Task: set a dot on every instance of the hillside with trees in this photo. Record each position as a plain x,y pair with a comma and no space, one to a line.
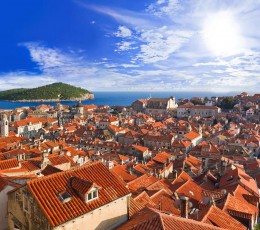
57,91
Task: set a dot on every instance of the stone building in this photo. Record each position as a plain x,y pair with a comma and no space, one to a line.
139,105
28,127
157,106
197,110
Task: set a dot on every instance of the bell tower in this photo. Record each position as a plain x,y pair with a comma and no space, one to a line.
4,126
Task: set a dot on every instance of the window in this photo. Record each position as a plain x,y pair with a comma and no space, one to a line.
17,226
93,195
16,197
64,196
25,203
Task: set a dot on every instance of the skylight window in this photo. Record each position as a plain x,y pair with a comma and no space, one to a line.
230,178
64,196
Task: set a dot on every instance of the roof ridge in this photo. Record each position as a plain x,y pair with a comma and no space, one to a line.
208,212
183,184
162,222
34,180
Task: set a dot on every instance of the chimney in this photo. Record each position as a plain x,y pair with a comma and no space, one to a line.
212,202
203,164
45,160
175,174
222,167
184,207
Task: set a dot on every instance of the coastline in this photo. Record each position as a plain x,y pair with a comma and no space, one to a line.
83,98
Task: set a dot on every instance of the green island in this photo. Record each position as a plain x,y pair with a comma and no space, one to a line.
54,92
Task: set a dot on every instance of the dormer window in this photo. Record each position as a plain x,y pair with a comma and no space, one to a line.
87,190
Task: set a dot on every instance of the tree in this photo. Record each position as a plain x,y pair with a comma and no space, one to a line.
196,102
257,227
227,103
215,121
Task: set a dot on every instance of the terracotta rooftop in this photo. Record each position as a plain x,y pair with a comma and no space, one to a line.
219,218
191,135
153,219
162,157
122,173
238,176
45,190
144,199
140,148
8,164
49,169
134,207
142,182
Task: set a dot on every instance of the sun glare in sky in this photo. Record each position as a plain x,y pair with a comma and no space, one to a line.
221,34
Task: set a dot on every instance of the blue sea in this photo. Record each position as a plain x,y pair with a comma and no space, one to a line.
118,98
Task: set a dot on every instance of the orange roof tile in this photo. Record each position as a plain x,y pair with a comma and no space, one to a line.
141,182
49,169
123,174
140,148
219,218
134,206
191,190
8,164
181,179
145,200
153,219
192,135
162,157
45,190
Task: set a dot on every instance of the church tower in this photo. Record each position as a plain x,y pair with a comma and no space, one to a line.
80,108
4,126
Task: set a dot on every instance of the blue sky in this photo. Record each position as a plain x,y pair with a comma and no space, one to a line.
127,45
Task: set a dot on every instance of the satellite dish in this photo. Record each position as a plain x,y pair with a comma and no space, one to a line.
224,191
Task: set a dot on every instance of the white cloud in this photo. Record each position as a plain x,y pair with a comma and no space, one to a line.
54,62
163,7
160,48
128,17
160,44
46,57
124,46
20,79
123,32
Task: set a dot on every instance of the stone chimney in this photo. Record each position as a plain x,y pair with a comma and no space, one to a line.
110,164
175,174
184,206
45,160
223,165
203,164
212,202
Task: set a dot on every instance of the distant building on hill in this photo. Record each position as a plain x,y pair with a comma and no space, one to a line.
139,105
187,110
156,106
